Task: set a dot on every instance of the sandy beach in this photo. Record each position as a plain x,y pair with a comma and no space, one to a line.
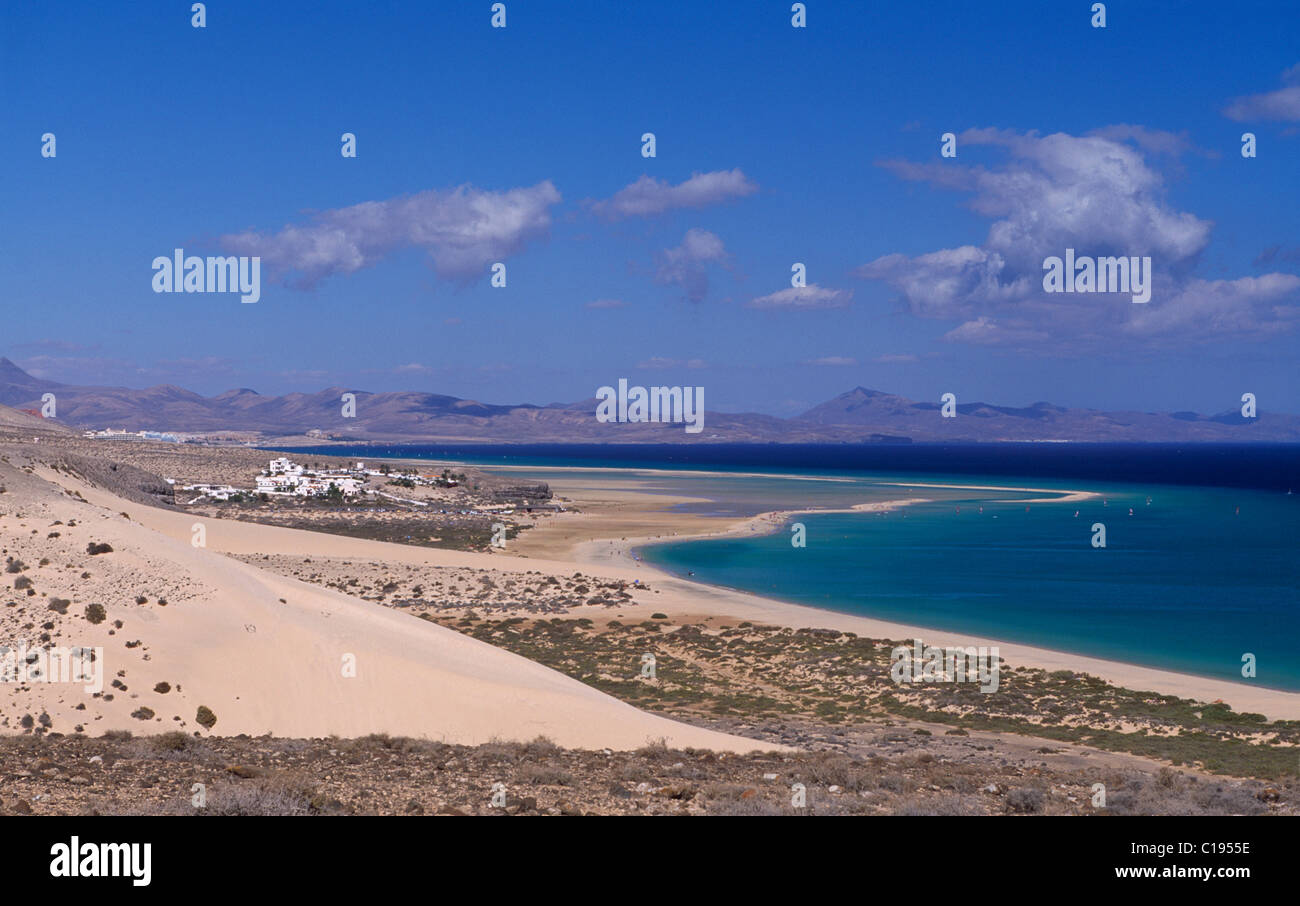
455,687
618,508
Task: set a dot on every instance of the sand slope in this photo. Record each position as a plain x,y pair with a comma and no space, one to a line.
267,654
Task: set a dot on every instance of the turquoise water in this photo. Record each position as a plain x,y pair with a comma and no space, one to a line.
1190,582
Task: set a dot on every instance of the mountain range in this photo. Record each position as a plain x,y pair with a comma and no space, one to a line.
857,416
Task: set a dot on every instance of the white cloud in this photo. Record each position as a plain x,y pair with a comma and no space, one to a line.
606,303
1282,104
832,360
1099,196
686,265
798,298
949,282
648,196
1248,305
463,230
986,331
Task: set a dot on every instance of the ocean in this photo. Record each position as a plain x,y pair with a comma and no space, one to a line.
1203,571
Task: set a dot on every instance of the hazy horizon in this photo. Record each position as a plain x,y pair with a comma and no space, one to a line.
521,400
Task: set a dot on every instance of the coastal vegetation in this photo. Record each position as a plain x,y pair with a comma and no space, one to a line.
758,673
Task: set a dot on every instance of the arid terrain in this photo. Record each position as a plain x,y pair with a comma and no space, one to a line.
296,671
881,770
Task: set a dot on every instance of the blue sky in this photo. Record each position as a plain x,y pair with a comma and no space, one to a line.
775,145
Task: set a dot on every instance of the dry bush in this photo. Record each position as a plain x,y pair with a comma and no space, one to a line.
1026,799
544,775
754,806
940,806
829,769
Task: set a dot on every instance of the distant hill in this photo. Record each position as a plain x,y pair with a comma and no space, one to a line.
858,416
1043,421
25,422
17,386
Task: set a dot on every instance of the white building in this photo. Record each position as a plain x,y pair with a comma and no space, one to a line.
285,466
299,485
276,484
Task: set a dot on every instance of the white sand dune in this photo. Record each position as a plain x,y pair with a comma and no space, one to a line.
267,654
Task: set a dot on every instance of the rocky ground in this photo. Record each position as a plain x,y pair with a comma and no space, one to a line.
884,771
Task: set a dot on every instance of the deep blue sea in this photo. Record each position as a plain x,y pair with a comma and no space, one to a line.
1204,570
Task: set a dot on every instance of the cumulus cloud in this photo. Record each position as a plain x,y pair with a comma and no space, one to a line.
1282,104
1098,195
950,282
648,196
686,265
801,298
1246,305
463,230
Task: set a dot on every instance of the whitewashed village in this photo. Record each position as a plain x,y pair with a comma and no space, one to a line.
285,478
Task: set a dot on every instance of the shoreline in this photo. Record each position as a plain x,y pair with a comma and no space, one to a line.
715,602
607,549
726,602
612,519
772,521
1066,495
